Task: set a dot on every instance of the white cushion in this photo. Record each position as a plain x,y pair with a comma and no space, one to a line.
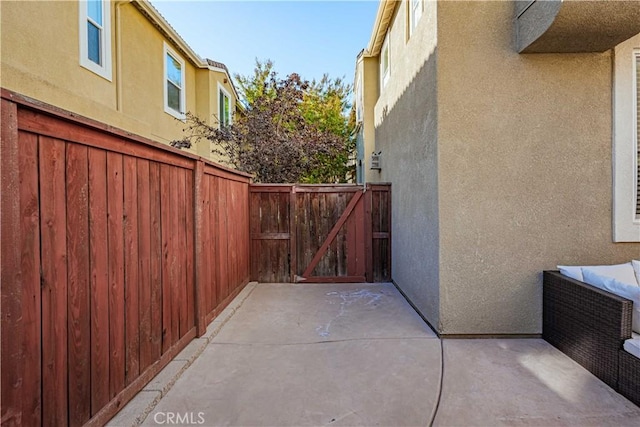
632,345
571,271
623,272
619,288
636,267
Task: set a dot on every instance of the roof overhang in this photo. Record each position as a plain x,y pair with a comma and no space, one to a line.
564,26
386,9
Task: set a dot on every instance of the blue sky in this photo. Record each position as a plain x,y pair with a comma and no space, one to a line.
307,37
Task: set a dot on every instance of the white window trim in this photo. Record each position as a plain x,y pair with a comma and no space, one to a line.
177,114
626,225
384,74
222,89
414,23
104,70
359,92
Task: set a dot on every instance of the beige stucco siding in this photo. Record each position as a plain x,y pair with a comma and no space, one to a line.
525,182
142,76
370,69
40,59
406,133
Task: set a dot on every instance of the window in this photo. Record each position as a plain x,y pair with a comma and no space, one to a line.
174,93
415,13
95,36
359,89
384,62
626,150
224,107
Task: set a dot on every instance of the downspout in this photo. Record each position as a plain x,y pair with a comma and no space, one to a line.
118,31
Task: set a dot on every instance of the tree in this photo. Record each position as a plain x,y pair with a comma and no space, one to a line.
253,87
291,131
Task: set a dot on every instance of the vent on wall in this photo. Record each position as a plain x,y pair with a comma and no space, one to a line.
375,160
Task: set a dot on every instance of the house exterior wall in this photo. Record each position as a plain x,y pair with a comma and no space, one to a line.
406,123
524,172
134,98
501,166
366,97
370,68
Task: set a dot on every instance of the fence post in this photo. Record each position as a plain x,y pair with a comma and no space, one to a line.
368,234
12,325
198,201
293,224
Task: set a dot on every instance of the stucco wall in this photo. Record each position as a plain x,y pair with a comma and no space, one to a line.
142,73
406,132
40,57
49,71
370,69
525,183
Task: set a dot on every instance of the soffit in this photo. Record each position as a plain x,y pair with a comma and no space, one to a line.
382,23
575,26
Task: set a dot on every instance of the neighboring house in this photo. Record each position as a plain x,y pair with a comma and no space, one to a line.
117,62
509,131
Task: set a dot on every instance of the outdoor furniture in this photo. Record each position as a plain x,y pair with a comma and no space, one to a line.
590,326
629,377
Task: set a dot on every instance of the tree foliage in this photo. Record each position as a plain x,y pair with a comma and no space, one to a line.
292,130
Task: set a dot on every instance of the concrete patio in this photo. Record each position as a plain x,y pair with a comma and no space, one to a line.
359,355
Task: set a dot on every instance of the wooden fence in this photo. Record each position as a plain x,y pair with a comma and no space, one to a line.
116,252
320,233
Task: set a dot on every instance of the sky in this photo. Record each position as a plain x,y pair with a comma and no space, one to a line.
310,38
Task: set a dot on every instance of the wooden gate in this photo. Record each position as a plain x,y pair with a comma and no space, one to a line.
320,233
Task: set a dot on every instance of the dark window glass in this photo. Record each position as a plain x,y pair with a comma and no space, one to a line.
173,97
93,35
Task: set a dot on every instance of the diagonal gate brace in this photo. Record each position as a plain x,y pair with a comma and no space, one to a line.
332,234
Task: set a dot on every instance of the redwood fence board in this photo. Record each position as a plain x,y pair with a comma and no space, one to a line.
12,286
54,281
156,261
30,262
144,265
115,238
131,272
107,272
78,276
99,285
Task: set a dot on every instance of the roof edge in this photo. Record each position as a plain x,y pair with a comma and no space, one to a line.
154,16
162,25
386,8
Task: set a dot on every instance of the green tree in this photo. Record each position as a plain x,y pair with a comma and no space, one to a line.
253,87
325,105
292,130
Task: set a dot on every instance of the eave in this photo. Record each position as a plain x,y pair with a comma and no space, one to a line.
573,26
386,9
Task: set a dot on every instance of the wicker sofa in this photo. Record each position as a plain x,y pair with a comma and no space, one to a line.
590,326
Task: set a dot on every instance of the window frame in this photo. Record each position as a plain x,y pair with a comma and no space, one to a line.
223,91
104,70
181,115
385,73
626,221
359,92
412,23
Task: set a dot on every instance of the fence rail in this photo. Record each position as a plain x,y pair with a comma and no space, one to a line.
116,252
